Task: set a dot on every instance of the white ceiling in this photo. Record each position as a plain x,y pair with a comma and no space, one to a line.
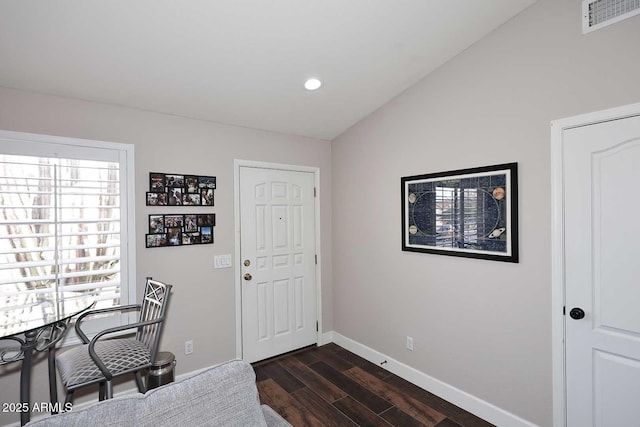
239,62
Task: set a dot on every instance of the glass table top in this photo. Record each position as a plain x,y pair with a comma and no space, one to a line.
35,311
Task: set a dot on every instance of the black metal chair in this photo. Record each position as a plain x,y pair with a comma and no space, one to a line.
100,360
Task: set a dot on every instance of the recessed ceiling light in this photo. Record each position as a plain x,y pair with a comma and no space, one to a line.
312,84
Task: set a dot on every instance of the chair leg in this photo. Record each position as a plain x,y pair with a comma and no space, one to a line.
140,383
108,389
101,391
53,386
68,400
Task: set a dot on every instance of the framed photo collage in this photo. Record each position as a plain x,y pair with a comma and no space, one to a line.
180,229
180,190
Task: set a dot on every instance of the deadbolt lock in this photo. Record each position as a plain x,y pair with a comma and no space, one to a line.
247,263
247,276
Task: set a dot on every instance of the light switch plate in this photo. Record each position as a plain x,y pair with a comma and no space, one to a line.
222,261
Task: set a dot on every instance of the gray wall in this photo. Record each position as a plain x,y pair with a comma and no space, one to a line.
481,326
203,301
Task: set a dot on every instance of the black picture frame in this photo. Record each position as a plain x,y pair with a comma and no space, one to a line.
471,213
170,189
180,229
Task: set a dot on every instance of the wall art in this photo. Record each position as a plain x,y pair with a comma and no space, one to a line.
167,189
470,213
178,229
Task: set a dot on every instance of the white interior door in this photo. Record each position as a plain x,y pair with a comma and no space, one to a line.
278,261
601,164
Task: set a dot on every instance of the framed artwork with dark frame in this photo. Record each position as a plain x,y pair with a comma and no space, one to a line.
179,229
471,213
167,189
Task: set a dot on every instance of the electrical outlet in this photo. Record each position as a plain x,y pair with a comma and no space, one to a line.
409,343
188,347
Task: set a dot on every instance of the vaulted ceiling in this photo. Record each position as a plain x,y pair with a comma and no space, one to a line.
239,62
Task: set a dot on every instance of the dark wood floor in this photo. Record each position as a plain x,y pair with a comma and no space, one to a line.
330,386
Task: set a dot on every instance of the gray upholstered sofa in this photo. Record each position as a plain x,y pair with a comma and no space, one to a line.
225,395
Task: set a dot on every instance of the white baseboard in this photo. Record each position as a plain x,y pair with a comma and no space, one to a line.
325,338
464,400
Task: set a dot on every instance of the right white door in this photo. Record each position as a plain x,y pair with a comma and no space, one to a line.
602,273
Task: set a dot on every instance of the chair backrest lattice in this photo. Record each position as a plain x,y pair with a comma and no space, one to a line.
153,308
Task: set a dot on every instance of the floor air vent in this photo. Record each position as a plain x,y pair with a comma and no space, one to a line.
597,14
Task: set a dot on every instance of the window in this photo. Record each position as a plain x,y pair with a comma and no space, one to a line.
66,220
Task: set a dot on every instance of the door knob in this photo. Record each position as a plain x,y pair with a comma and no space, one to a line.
247,276
576,313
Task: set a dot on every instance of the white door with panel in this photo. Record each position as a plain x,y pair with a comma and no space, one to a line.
601,164
278,261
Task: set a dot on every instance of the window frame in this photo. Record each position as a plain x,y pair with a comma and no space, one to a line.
31,144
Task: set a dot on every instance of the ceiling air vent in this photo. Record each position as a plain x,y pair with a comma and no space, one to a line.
597,14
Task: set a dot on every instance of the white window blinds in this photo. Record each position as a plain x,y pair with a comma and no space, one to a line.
62,222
